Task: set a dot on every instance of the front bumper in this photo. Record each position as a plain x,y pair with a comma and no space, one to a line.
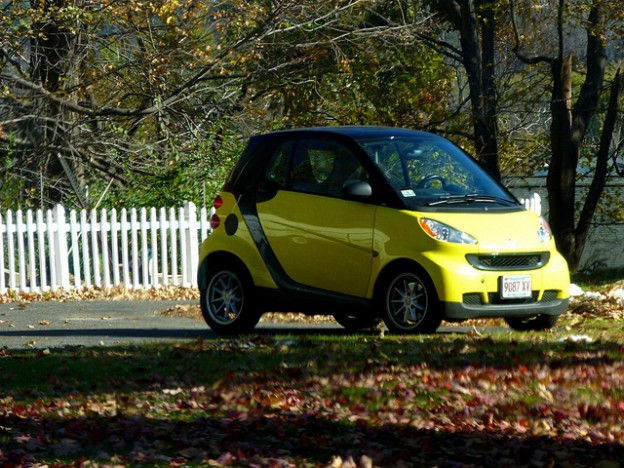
466,292
463,311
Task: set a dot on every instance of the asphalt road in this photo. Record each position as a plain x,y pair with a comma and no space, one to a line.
41,325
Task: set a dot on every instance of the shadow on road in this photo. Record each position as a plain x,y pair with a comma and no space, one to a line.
137,334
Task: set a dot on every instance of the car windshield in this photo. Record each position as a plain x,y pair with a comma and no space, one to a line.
431,171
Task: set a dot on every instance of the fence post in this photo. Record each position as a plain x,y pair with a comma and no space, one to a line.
192,246
533,203
20,229
536,203
74,230
86,251
10,229
61,266
125,257
134,242
103,235
174,227
95,250
145,279
32,259
114,229
43,258
155,255
162,219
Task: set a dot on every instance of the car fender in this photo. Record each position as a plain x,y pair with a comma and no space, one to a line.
241,246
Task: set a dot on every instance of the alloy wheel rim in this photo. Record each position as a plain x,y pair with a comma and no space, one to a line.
225,298
407,301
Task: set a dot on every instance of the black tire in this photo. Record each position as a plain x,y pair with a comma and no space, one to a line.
536,323
227,301
408,302
357,322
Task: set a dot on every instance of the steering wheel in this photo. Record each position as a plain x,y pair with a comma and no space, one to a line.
429,179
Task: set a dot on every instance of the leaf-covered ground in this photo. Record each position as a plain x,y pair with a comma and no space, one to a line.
485,398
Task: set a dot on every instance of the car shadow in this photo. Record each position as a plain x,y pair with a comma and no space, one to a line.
208,334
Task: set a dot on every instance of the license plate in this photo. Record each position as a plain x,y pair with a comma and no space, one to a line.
513,287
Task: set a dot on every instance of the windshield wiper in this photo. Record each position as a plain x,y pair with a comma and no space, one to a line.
471,198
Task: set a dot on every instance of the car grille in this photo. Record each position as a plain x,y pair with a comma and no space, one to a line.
549,296
474,299
495,298
528,261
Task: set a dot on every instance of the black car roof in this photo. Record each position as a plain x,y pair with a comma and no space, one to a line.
354,131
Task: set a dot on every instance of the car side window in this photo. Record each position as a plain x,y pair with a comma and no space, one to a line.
324,168
277,171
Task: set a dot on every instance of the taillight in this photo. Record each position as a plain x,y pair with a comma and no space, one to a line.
215,221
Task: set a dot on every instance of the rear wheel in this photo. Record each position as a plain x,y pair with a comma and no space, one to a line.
409,303
536,323
227,300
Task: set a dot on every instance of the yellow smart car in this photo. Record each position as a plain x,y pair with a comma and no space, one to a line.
371,224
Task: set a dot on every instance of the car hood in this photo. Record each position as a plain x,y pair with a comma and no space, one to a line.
501,232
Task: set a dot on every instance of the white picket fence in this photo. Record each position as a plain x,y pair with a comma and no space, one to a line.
137,248
533,203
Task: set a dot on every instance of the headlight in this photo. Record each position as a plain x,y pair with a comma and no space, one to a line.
445,233
544,234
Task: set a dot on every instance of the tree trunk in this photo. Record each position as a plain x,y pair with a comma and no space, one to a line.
478,57
568,131
601,172
488,136
474,20
561,178
50,46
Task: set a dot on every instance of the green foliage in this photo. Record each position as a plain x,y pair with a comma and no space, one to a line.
403,85
154,79
128,69
195,175
12,193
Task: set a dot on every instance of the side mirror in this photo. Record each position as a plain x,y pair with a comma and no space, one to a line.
357,190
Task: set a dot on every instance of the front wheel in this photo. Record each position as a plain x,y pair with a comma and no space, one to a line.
227,300
409,303
537,323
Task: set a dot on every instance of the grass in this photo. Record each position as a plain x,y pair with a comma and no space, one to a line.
208,362
489,396
325,387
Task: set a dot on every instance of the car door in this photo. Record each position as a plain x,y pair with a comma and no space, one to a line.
320,239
